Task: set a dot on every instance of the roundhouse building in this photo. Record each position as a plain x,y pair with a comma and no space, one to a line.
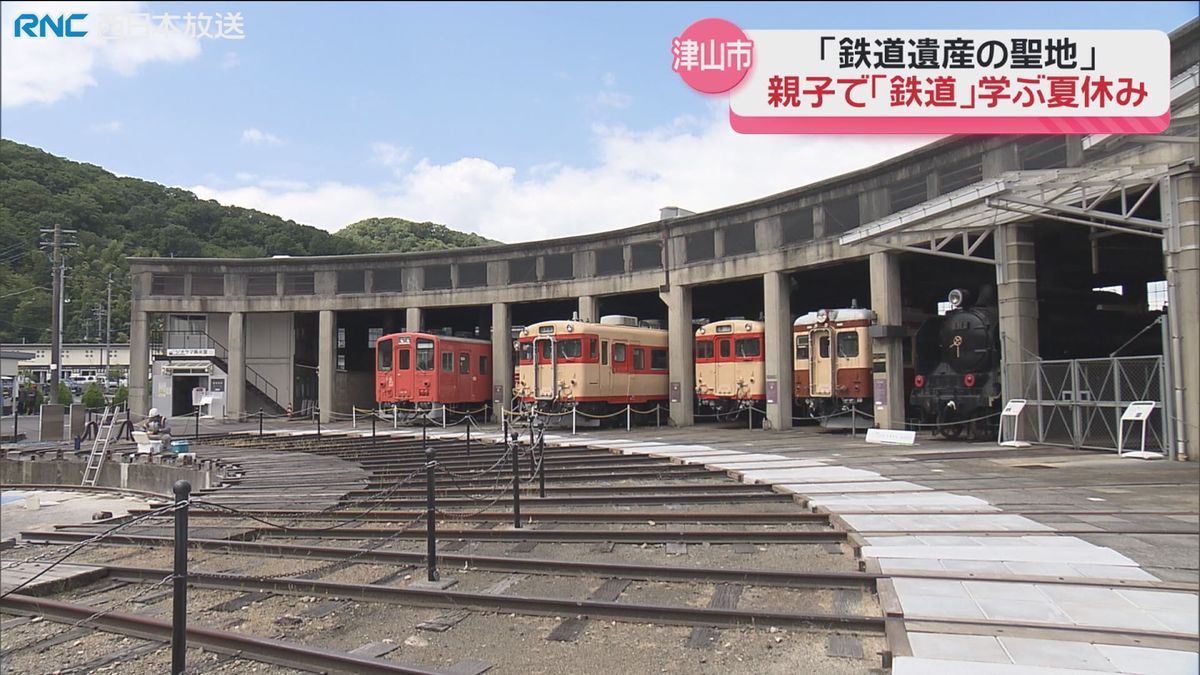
1051,222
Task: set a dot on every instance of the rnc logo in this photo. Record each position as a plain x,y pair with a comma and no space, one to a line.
60,27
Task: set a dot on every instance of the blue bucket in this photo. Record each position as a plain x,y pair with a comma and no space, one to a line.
179,447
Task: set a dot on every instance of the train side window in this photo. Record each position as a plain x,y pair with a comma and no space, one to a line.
592,349
385,355
604,352
464,363
639,359
448,362
526,352
847,345
658,359
749,347
724,349
425,354
618,352
404,359
483,365
823,346
801,347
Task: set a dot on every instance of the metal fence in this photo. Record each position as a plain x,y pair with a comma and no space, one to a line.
1079,402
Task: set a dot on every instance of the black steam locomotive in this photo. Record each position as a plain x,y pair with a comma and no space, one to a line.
957,381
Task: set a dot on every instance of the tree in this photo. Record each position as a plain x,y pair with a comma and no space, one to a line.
93,397
64,395
122,396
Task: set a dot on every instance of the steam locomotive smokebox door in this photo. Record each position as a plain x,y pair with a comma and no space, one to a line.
676,392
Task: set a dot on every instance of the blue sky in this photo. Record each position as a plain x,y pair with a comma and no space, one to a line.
565,117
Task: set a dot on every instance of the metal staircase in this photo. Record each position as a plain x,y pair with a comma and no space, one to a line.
108,422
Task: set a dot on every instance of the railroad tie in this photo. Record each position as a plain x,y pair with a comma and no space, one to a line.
570,629
469,667
374,650
676,548
745,549
725,596
527,546
449,620
845,602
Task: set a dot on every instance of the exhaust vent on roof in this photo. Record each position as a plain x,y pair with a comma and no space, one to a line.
669,212
619,320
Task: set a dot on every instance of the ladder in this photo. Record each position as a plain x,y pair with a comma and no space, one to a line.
100,445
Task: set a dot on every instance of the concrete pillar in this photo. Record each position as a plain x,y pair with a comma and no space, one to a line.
681,339
326,362
1182,247
502,365
589,308
777,312
235,383
885,301
139,362
1016,290
413,319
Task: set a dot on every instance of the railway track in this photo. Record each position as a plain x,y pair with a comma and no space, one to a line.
601,535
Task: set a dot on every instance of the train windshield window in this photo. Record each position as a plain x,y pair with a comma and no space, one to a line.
526,352
404,359
801,347
448,362
639,359
618,353
544,348
570,349
483,365
464,363
847,345
704,349
658,359
385,355
748,347
724,349
823,346
424,354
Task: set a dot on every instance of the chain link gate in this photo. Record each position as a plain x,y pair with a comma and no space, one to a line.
1078,402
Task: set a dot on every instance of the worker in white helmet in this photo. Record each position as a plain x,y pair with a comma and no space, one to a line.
157,428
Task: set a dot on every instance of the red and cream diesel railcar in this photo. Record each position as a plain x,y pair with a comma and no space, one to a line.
423,370
833,361
729,366
599,368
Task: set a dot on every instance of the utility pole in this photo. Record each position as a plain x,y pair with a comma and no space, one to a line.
108,329
58,264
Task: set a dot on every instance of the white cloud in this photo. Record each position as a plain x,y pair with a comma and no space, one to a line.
389,155
259,137
609,79
45,70
695,163
230,60
245,177
105,127
614,99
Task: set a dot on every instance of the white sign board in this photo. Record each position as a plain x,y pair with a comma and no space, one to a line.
198,395
191,352
891,437
1014,407
1138,411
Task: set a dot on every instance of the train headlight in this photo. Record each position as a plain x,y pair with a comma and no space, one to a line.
524,331
570,328
957,297
702,331
822,315
748,327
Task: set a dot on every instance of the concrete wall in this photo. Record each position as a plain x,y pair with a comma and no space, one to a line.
156,478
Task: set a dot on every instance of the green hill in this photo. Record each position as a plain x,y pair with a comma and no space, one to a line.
398,234
118,217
